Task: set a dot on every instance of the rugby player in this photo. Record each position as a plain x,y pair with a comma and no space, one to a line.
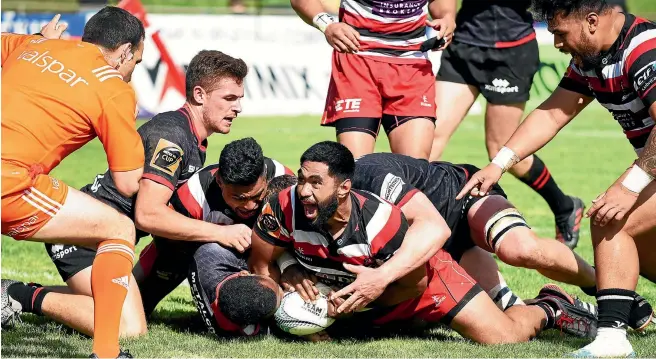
381,73
77,90
175,143
227,194
337,232
495,54
613,54
491,223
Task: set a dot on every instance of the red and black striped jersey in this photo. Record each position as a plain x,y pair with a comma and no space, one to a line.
390,30
624,83
374,232
201,198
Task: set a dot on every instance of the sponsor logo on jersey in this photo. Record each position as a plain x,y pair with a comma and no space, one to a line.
645,78
49,64
167,157
391,188
501,86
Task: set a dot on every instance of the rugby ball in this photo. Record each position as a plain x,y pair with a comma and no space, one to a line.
297,317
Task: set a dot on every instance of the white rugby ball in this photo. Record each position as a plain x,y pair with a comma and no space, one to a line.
295,316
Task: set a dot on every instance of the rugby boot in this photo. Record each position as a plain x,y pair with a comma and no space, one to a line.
567,230
568,314
11,309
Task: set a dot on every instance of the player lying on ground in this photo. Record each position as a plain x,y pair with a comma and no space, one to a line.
78,90
381,74
228,194
612,61
174,144
500,65
336,231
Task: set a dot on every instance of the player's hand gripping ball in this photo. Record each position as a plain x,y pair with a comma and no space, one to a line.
297,317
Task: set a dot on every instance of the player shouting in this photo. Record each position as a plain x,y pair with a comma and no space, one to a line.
336,232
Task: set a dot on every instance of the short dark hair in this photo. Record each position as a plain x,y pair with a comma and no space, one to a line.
279,183
546,10
112,27
241,162
208,67
336,156
245,300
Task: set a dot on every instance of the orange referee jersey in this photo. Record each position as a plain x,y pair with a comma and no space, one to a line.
57,95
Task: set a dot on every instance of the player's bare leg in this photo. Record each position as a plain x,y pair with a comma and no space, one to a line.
359,143
412,138
453,101
618,263
481,321
519,246
501,121
84,221
484,269
72,305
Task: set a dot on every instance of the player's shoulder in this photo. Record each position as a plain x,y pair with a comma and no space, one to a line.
275,168
201,181
370,202
173,124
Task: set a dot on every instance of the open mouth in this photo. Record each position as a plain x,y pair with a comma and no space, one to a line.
310,209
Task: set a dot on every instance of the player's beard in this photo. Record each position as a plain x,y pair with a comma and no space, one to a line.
325,210
589,56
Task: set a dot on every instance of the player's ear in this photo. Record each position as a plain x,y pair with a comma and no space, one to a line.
344,188
218,179
125,53
199,95
592,21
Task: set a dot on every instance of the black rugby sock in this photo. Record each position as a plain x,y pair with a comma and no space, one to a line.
540,180
615,307
30,297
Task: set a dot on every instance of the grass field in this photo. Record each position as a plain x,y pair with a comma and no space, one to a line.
585,159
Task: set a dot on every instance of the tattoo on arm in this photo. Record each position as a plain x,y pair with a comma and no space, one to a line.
647,160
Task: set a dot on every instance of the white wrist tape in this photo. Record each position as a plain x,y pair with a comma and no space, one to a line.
322,20
637,179
505,158
285,260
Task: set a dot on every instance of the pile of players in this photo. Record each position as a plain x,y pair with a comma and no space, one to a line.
407,238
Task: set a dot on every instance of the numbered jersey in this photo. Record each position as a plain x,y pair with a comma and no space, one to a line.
624,83
173,153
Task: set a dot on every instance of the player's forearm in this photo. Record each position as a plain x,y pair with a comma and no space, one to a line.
422,240
307,9
161,220
441,8
534,133
647,159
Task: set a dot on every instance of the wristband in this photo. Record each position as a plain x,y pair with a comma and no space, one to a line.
322,20
285,260
505,159
637,179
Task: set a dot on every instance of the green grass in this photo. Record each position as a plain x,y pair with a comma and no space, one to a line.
585,159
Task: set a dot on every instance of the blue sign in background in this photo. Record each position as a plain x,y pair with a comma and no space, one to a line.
30,23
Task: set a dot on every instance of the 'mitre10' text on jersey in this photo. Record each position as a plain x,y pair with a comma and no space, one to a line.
375,231
624,83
